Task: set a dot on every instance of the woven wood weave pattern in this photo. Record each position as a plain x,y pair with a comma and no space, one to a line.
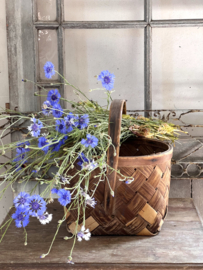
141,206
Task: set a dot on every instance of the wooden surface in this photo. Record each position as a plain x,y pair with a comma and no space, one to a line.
179,244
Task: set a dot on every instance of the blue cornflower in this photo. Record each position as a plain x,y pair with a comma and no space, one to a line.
45,218
64,140
91,141
57,111
20,155
21,147
36,205
21,217
49,70
56,146
35,128
82,158
53,96
54,191
85,163
82,121
46,108
64,197
42,141
21,201
60,126
107,79
69,121
19,167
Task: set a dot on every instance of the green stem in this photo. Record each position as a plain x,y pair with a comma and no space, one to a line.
25,232
6,229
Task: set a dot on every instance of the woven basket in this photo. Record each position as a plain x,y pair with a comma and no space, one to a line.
138,208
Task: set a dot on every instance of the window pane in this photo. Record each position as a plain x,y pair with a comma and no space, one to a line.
177,70
48,51
177,9
46,10
90,51
105,10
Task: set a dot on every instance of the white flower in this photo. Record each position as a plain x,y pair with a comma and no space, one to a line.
45,218
63,179
71,262
90,201
83,234
89,165
83,192
129,181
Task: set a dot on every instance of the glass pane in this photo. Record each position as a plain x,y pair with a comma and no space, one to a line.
48,51
105,10
177,68
46,10
121,51
177,9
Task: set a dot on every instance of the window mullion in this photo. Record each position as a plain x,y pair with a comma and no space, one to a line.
147,57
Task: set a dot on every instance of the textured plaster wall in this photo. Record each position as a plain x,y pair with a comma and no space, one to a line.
6,201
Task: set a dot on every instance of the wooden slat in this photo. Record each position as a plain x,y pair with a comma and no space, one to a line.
179,244
99,266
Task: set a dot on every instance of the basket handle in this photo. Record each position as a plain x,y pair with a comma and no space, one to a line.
118,107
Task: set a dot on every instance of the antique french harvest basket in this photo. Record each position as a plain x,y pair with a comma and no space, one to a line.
138,208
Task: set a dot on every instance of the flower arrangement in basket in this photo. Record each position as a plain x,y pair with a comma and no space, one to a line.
77,144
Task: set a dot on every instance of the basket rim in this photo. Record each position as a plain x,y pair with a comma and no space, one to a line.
168,144
147,159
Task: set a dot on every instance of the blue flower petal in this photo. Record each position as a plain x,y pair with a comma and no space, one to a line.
49,70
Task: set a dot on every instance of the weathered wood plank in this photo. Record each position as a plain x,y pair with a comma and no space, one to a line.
20,54
180,242
102,266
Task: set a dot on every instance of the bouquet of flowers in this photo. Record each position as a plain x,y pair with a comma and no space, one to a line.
65,139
